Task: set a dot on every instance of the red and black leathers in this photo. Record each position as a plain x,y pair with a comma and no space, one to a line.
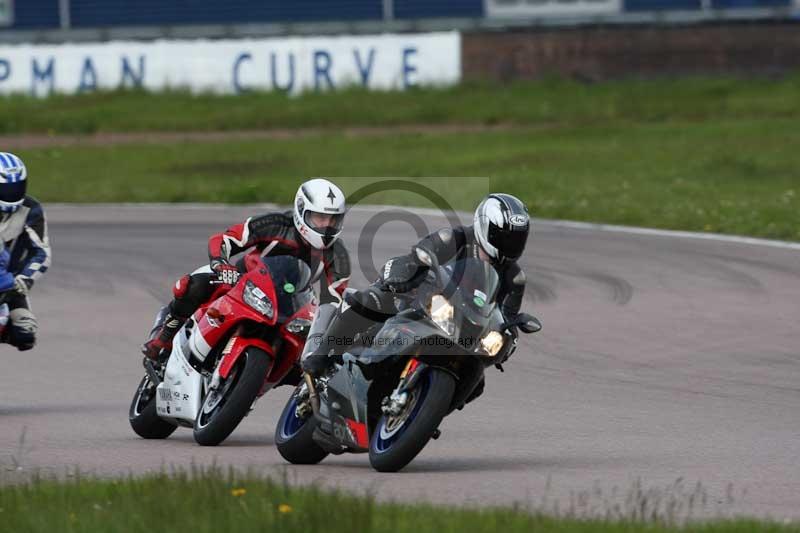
270,234
275,234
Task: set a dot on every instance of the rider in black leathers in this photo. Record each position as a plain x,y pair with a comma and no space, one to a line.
498,235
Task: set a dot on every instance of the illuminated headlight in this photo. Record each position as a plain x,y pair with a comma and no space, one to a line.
492,343
298,324
442,313
255,298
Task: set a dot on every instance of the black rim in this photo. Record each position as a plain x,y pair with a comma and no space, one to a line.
144,395
207,414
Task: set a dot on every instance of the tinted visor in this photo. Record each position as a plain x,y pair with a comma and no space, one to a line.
324,223
510,243
13,192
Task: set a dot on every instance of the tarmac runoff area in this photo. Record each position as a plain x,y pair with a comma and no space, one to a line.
666,360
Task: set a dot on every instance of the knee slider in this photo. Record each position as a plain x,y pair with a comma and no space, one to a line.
22,336
181,286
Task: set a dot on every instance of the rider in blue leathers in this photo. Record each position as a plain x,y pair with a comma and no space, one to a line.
23,231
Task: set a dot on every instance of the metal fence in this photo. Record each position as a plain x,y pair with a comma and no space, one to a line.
54,20
50,14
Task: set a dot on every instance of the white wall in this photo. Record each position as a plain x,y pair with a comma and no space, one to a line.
228,66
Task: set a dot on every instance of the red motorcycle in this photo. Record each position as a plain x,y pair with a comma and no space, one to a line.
235,348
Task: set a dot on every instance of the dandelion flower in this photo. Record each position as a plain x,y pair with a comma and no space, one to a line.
284,508
238,492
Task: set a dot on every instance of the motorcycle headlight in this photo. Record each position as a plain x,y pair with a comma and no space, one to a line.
255,298
441,312
298,325
492,342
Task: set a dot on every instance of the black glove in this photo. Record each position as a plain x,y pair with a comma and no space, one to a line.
402,274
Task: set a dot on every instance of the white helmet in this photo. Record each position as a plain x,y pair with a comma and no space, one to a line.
319,197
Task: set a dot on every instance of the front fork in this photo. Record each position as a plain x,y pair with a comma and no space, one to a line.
151,371
213,383
394,404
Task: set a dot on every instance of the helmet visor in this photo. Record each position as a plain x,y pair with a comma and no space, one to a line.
509,243
324,223
13,192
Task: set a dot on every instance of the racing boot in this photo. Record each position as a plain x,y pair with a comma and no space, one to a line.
163,339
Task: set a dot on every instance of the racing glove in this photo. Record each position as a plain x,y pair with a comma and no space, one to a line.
402,274
22,285
226,273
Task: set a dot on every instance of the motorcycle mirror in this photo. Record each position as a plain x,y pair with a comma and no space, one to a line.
526,323
531,326
423,256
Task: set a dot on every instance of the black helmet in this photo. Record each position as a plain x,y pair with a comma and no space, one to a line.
502,225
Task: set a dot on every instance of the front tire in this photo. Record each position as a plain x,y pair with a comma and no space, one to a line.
397,440
142,413
293,436
216,422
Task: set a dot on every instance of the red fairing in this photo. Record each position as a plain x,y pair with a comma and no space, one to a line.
252,260
181,286
360,432
236,350
229,309
292,347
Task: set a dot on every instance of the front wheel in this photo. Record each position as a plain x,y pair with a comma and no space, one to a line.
225,408
396,440
142,413
293,435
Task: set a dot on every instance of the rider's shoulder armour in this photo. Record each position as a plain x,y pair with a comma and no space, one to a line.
272,225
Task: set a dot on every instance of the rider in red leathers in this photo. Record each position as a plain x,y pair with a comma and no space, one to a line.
310,232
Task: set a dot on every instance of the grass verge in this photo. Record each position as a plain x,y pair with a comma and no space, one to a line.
211,501
553,102
736,176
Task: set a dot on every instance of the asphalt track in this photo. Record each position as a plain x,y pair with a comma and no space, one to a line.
662,359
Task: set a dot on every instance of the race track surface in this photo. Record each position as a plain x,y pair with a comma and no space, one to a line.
662,359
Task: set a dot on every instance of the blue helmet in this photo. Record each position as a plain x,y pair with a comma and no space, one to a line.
13,182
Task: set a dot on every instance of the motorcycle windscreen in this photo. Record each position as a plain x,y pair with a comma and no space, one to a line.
471,286
292,280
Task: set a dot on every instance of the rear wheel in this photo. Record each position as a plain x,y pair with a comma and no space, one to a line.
396,440
224,409
142,413
293,435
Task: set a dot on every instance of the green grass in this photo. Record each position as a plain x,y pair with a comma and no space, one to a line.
718,155
737,176
208,501
550,102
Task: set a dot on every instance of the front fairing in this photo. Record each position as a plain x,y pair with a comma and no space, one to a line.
284,280
414,333
470,286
